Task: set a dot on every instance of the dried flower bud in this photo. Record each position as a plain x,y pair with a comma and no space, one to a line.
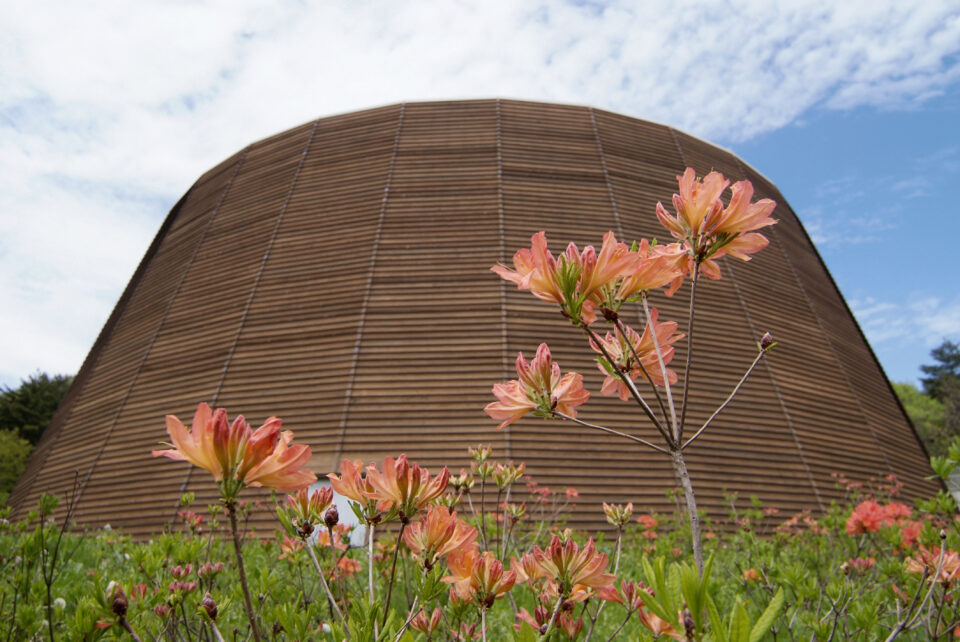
306,528
209,606
332,517
119,605
689,624
766,341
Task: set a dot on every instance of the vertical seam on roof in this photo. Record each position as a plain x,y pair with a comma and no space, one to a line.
352,375
256,283
826,336
504,356
156,333
776,390
637,308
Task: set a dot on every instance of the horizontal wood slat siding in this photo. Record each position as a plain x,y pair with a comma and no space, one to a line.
337,275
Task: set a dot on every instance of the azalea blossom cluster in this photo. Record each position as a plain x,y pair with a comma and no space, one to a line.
238,456
869,516
588,283
399,490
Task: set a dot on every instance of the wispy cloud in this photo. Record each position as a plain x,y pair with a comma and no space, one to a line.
110,110
922,321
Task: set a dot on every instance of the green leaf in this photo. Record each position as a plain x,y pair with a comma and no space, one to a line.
718,628
763,624
525,634
739,630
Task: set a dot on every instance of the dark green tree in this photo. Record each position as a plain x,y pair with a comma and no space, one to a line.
943,377
24,414
928,416
14,452
27,410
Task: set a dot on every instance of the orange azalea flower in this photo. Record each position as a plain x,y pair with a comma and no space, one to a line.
867,517
751,575
289,547
598,271
479,576
656,267
924,558
618,347
576,280
743,216
536,270
405,487
571,627
424,624
439,533
351,483
308,507
574,572
238,456
858,565
698,204
346,567
659,626
540,389
323,540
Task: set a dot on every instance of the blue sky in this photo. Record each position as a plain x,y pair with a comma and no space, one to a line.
109,111
876,190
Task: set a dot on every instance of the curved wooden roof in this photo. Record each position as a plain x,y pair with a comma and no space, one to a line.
337,275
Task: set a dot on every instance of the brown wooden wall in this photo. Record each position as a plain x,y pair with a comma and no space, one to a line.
337,275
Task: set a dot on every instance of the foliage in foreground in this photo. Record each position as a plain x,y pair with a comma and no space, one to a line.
852,573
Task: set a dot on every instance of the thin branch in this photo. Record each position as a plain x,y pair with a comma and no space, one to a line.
686,368
646,375
611,431
393,574
414,610
663,370
726,401
914,612
629,383
326,588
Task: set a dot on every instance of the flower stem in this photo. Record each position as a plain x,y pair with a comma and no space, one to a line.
610,430
370,529
129,629
683,479
323,582
232,511
646,375
553,618
393,574
625,377
663,371
726,401
616,567
686,368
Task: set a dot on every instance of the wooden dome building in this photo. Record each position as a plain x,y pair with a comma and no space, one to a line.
337,275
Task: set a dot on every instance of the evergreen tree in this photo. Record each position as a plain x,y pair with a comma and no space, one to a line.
944,376
28,409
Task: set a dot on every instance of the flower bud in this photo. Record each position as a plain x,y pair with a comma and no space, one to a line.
332,517
209,606
119,605
766,341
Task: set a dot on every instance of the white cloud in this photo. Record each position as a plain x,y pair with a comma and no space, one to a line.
923,321
110,110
